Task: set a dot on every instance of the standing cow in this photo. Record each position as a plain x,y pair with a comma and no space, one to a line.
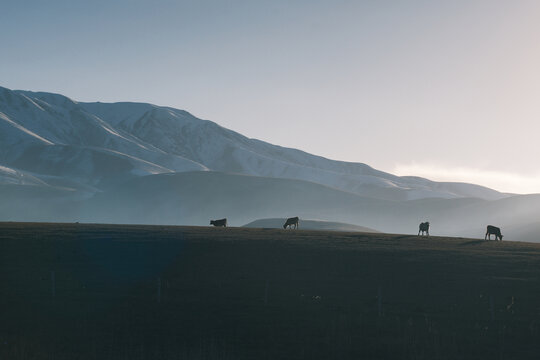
221,222
493,230
423,228
291,222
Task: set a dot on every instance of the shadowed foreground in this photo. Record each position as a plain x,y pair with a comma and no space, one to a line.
76,291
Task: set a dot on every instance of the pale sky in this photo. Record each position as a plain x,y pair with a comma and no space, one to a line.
448,90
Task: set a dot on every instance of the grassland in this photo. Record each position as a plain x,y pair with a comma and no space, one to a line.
79,291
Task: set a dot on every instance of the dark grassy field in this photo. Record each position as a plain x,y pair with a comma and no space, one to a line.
77,291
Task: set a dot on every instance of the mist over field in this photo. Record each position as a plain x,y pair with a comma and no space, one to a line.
136,163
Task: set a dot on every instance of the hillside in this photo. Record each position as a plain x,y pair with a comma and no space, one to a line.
193,198
161,292
309,225
196,197
100,144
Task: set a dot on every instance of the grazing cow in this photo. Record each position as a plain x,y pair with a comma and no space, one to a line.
290,222
493,230
423,228
221,222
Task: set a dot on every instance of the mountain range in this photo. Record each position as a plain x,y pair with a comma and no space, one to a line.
63,160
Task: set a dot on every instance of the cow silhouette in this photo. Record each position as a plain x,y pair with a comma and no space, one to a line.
291,222
220,222
423,228
493,230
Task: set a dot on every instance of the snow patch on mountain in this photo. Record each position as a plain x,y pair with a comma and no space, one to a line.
12,176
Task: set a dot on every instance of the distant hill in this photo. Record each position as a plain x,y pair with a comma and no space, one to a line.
193,198
310,225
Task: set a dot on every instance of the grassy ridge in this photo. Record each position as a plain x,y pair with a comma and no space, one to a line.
77,291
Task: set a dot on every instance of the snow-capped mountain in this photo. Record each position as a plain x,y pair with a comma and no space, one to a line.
62,160
56,141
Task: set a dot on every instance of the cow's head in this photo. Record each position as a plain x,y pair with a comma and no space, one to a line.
500,237
212,222
285,225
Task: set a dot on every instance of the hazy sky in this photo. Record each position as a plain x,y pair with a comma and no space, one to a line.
448,90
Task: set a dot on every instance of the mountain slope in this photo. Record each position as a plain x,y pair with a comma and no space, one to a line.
309,225
47,131
221,149
170,140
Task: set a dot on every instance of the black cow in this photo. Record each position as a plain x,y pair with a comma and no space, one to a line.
221,222
424,228
493,230
290,222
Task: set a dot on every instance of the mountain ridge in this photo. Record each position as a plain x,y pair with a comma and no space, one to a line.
175,141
